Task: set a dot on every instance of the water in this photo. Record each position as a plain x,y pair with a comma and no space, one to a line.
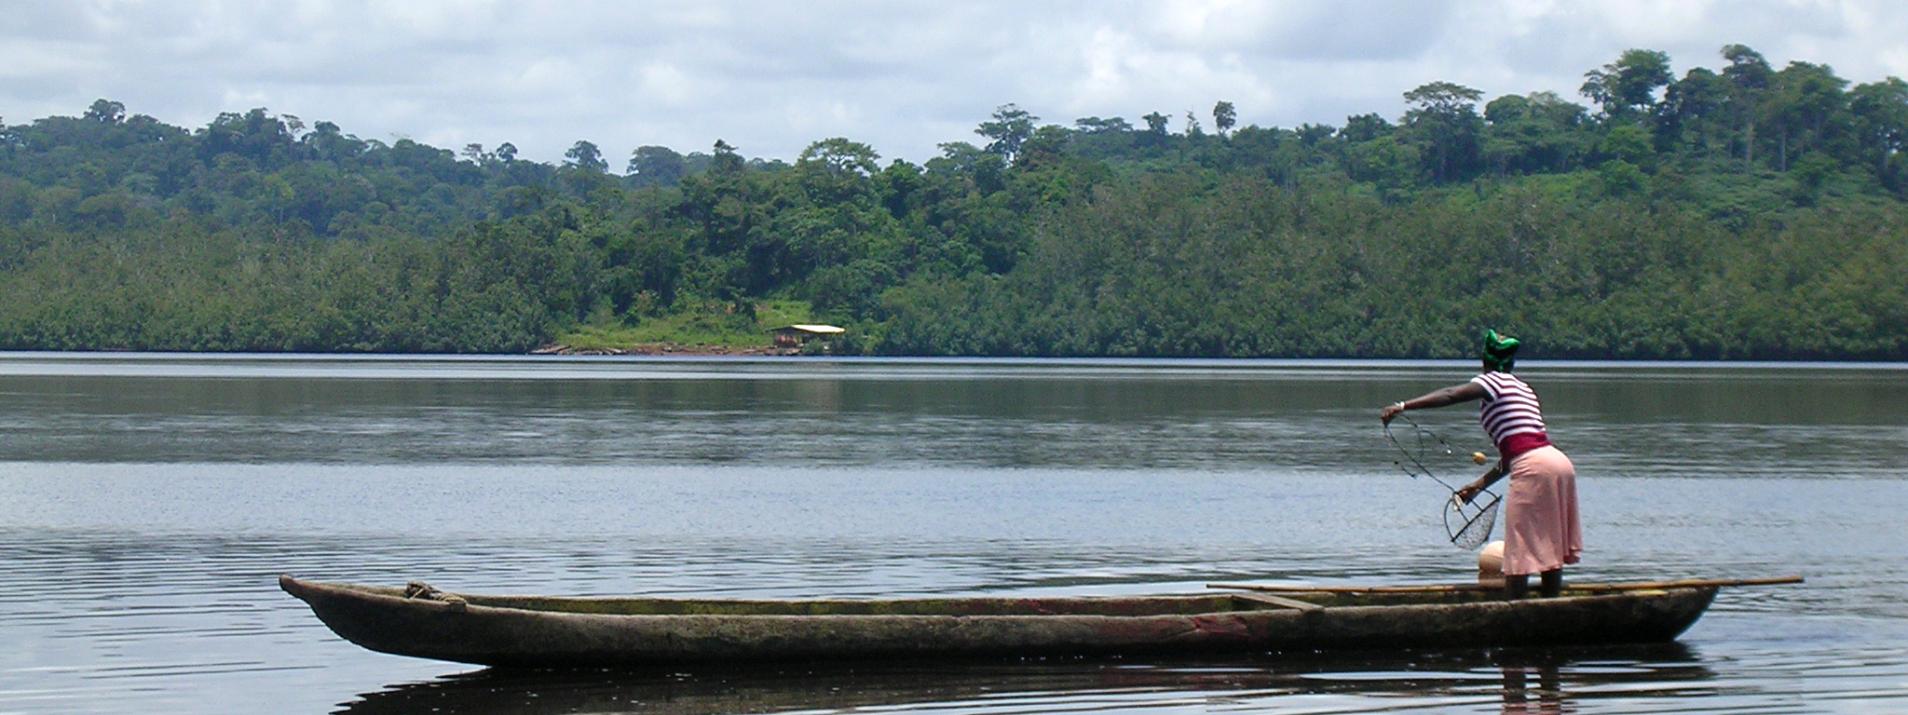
147,504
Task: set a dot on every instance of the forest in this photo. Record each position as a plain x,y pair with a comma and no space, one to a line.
1740,211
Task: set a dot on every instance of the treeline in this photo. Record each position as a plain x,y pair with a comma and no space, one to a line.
1745,212
1171,266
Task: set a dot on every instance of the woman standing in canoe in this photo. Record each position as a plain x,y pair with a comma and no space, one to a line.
1541,532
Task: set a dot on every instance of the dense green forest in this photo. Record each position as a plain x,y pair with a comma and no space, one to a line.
1738,212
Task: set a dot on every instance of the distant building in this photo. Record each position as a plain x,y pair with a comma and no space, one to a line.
795,336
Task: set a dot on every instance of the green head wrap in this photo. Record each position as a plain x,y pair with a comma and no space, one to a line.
1500,351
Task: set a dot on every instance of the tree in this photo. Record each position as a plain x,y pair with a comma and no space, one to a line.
1533,134
1155,134
1096,125
1628,86
326,142
1749,79
506,152
1223,117
584,155
1805,108
1156,122
1046,148
1364,128
655,166
105,112
1880,111
835,171
726,160
984,172
1692,111
840,156
255,135
1010,127
1314,135
1443,122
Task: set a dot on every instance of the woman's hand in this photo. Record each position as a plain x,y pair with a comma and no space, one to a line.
1469,491
1390,411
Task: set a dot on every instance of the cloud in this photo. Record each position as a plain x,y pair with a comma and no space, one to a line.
902,76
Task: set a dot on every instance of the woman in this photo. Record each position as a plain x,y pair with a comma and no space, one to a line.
1541,532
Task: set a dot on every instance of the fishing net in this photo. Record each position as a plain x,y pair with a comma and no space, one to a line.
1467,524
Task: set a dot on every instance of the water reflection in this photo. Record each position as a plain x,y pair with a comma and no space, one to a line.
1548,682
1095,415
1523,681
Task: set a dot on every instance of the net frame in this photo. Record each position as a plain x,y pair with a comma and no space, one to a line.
1470,524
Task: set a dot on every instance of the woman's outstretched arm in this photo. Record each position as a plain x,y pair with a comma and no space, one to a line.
1441,397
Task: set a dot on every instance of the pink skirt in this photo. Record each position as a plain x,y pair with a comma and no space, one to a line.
1541,532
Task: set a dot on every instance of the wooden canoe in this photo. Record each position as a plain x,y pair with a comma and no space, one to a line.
539,631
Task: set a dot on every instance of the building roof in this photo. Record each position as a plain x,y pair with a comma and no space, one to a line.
812,328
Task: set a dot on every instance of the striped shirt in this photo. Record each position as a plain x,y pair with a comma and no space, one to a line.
1510,409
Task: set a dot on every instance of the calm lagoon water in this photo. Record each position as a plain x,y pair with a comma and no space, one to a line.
147,503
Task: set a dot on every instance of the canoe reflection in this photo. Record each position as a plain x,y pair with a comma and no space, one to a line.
1525,681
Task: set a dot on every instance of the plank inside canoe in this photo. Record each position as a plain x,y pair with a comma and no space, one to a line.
1279,601
1464,587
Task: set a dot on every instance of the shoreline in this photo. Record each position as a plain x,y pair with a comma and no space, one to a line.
667,349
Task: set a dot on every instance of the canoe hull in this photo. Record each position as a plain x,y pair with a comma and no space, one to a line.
501,635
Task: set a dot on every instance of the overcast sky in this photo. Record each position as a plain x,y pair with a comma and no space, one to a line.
772,77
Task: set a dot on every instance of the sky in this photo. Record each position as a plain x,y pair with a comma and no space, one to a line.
771,77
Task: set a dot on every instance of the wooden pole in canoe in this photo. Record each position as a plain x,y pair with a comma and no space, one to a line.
1467,587
1685,583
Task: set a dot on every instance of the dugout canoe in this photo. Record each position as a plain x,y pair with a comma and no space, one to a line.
542,631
